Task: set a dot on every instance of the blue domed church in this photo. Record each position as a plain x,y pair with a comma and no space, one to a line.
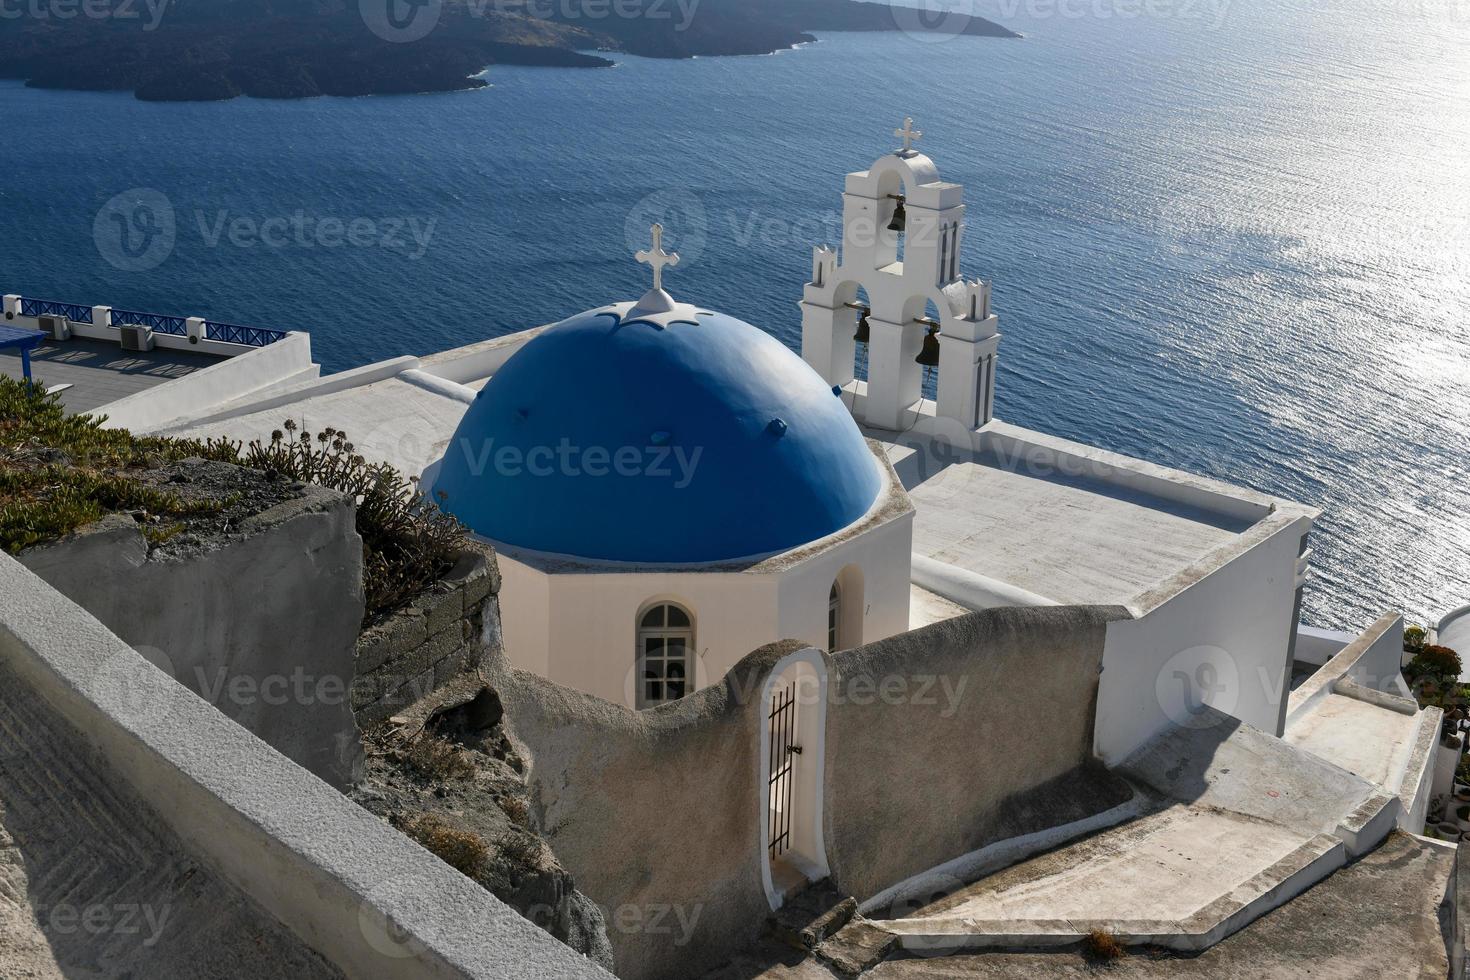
670,488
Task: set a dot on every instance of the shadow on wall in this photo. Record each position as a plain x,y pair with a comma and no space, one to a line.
953,737
938,742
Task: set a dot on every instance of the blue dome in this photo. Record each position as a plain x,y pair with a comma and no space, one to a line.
624,441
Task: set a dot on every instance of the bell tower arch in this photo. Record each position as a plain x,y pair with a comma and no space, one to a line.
902,229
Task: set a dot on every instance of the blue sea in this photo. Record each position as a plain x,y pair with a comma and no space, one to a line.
1232,237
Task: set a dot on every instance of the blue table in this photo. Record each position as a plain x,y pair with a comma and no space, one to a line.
25,340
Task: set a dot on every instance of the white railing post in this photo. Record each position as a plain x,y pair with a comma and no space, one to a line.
12,306
101,317
194,327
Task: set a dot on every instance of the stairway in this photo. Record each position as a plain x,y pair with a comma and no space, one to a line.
821,921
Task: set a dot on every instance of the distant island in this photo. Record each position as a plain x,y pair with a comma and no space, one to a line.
204,50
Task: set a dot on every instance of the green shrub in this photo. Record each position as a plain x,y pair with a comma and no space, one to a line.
408,542
1414,638
60,472
1436,662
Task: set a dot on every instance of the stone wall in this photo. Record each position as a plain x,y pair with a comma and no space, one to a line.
260,623
938,743
960,735
655,813
421,647
368,900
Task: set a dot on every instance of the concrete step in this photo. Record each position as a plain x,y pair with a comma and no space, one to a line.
1130,910
811,915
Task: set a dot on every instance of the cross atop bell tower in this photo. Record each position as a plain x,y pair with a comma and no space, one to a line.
895,281
908,134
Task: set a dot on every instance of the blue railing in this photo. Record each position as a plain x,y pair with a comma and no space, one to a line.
160,323
233,333
44,307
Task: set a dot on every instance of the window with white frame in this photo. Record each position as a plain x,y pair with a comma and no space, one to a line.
665,647
834,617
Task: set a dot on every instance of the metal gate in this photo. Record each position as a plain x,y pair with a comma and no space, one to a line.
782,766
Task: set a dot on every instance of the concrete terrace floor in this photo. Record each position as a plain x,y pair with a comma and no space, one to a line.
101,372
1164,866
92,885
1362,738
1072,541
389,421
1379,918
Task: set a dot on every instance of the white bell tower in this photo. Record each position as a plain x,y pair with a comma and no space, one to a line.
901,271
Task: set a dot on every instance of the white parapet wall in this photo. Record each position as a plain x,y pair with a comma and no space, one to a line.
1217,635
198,393
369,900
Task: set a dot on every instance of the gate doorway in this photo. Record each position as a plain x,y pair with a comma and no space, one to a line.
793,729
784,755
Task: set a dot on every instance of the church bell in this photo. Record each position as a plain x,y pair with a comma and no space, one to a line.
929,353
900,216
862,328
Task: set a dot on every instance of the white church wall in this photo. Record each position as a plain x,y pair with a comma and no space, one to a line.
1217,634
875,588
524,614
581,629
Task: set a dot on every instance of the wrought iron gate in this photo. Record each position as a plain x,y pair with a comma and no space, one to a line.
782,766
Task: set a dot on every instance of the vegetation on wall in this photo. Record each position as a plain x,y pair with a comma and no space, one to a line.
60,472
408,542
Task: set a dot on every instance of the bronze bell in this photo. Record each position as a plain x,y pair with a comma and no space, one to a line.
900,217
862,329
929,353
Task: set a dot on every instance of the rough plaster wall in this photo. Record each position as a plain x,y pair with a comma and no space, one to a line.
955,736
264,628
655,813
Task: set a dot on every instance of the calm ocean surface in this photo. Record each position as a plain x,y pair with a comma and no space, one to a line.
1233,239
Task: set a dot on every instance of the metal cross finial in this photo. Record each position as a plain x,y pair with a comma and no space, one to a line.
657,257
908,134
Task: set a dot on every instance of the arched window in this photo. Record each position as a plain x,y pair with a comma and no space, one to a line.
834,618
665,642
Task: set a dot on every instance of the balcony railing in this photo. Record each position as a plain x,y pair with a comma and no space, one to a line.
45,307
175,325
233,333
